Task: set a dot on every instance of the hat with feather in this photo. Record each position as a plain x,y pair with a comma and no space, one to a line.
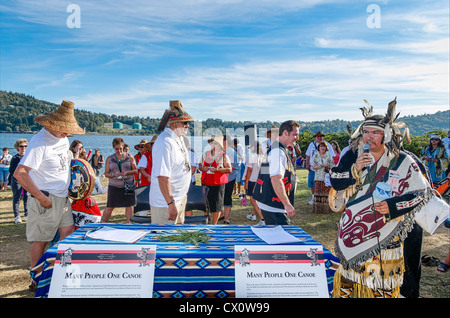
393,137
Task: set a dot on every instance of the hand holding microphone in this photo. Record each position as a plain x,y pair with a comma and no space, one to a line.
365,160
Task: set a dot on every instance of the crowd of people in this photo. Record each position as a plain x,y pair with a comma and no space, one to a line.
39,174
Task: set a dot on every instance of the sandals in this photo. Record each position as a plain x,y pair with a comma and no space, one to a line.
428,260
442,267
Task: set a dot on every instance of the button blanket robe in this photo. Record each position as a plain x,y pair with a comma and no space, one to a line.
363,234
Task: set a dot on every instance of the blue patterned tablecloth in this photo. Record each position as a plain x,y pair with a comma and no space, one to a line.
185,270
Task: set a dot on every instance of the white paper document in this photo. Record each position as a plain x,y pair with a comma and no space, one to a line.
118,235
274,235
103,271
280,271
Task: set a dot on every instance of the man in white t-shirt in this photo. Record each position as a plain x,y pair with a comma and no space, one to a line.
171,170
276,199
44,171
312,148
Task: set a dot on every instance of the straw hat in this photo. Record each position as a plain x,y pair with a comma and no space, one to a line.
142,143
319,134
218,139
62,120
269,132
149,144
175,114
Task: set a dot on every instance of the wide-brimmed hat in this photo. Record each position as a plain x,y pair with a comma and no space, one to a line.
218,139
142,143
151,142
62,120
269,132
319,134
175,114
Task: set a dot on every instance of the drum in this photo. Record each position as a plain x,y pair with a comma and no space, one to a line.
82,179
336,200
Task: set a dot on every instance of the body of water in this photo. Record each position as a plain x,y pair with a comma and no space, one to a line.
104,142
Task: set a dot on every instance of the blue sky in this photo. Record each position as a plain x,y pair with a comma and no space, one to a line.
236,60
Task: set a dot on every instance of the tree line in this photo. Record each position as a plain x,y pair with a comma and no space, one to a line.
17,112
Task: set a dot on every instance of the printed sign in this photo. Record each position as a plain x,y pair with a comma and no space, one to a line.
101,271
280,271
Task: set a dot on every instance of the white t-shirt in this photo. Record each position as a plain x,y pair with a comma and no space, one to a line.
233,156
312,148
240,153
277,166
194,163
6,159
265,145
142,162
49,160
170,159
254,162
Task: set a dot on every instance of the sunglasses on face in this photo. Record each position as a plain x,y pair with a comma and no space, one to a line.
434,139
23,146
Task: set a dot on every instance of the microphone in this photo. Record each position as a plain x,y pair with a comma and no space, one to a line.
366,148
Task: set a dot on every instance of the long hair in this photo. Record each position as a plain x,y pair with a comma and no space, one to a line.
73,145
257,147
439,145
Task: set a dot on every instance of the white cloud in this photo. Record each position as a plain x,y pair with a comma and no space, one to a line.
66,79
258,75
323,87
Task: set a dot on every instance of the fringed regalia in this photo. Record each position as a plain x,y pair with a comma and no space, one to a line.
369,244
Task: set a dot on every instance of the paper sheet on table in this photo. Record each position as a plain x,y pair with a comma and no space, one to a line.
274,235
118,235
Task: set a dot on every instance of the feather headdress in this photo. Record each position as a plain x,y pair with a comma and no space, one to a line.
393,137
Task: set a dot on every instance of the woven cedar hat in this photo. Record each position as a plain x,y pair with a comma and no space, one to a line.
319,134
151,142
62,120
175,114
143,142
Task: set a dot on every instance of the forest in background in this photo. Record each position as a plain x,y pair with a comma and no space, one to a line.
17,112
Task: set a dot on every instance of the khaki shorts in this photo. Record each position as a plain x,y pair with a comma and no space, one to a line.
161,215
42,223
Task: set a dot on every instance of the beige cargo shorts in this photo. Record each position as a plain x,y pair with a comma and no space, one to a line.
42,223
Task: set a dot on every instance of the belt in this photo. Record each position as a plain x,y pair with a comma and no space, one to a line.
46,193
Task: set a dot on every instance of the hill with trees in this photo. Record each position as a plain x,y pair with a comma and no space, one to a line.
17,112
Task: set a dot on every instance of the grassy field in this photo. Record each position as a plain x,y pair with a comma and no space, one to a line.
14,248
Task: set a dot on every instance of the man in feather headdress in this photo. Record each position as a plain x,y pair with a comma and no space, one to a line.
383,187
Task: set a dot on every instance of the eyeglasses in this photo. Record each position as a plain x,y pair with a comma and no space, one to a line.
434,139
23,146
